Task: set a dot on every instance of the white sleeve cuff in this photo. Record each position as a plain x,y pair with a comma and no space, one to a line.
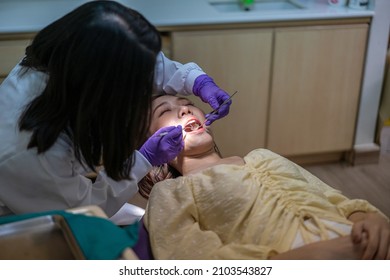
189,83
141,167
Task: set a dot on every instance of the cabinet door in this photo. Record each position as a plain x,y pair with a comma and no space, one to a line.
315,88
236,60
12,51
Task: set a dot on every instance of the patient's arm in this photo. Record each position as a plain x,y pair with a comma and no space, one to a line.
341,248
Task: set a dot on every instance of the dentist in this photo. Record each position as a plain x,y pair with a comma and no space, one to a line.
81,98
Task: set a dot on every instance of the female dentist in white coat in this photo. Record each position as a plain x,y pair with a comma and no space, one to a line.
81,98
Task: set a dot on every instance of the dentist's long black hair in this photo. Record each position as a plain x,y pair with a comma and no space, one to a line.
100,61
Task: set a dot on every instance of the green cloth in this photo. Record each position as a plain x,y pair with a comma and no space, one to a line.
98,238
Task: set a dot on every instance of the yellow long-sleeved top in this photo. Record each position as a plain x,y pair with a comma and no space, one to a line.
250,211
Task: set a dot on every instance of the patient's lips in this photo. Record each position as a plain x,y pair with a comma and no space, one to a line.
192,125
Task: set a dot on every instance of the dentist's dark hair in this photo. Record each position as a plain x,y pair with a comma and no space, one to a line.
100,61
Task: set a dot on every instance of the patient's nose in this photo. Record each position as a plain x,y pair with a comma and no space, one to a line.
184,110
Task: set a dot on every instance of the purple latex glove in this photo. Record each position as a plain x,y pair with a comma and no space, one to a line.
164,145
209,92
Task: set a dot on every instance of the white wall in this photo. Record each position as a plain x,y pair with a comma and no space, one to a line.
373,74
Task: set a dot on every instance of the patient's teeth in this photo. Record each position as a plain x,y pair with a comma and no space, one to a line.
192,126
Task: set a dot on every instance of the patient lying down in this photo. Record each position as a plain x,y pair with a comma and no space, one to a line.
262,206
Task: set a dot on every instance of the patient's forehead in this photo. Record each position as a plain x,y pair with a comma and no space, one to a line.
167,99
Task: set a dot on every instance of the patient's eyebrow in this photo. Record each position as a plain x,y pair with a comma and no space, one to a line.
158,106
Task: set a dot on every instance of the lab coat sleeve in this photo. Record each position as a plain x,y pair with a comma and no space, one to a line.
172,77
52,181
176,230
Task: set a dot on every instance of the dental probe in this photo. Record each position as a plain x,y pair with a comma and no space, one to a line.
215,111
165,133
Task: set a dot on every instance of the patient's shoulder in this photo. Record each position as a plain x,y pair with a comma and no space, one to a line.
264,156
262,153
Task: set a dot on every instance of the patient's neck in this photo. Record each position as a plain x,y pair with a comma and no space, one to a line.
187,165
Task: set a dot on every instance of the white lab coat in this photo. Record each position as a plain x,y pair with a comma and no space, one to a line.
55,179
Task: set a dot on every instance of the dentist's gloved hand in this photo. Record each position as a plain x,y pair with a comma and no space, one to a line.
209,92
162,149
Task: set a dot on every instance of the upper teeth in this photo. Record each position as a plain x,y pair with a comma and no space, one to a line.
192,125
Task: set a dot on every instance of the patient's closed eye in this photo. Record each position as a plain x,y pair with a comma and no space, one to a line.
163,111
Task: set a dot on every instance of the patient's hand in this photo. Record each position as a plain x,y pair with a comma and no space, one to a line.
341,248
377,231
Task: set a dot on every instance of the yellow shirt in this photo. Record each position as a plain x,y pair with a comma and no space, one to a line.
250,211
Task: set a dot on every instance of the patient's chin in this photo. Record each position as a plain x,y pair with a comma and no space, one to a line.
197,144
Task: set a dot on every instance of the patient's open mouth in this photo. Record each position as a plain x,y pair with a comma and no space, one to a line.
192,125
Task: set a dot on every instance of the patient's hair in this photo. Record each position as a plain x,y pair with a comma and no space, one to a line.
157,174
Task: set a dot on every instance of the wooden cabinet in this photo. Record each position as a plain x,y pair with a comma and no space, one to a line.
12,50
298,86
316,78
237,60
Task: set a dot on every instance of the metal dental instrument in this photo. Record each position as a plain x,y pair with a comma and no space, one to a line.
163,134
166,132
215,111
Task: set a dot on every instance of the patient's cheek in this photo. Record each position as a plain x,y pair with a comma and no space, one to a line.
156,125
